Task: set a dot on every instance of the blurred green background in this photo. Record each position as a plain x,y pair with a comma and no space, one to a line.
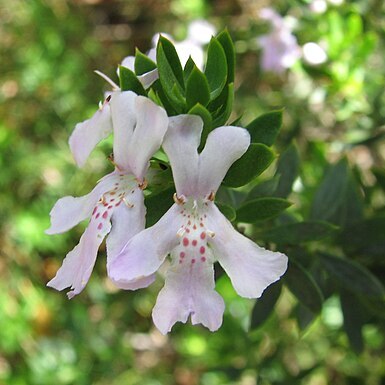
334,112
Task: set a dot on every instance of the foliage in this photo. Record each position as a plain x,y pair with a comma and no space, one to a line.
313,189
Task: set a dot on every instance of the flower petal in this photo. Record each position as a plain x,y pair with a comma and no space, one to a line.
69,211
189,289
124,120
126,222
78,264
146,251
135,284
151,125
251,268
149,78
223,147
181,146
89,133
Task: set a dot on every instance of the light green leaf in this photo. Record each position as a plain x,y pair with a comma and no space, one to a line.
143,63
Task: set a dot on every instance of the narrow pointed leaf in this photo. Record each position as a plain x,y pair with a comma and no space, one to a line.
197,89
227,211
201,111
264,189
304,287
216,68
353,276
330,194
288,169
225,112
227,44
264,306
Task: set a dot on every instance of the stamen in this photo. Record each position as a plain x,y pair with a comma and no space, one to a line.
211,197
142,185
179,200
210,233
180,232
129,205
115,87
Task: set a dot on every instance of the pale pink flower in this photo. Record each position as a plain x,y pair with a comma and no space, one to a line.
280,49
116,204
196,234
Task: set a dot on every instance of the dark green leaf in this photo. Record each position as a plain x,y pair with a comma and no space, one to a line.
365,238
157,204
331,192
265,128
300,232
227,44
288,169
261,209
355,316
264,189
188,67
216,68
265,305
171,74
201,111
257,159
304,287
143,63
352,276
227,211
167,52
224,112
129,81
197,89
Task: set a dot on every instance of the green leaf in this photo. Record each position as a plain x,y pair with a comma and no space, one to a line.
224,112
188,67
227,44
365,238
257,159
265,128
355,316
201,111
170,74
216,68
227,211
264,306
331,192
167,52
143,63
288,169
264,189
301,232
129,81
197,89
261,209
352,276
304,287
157,204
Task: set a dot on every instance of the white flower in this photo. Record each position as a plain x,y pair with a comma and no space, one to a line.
139,126
196,234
